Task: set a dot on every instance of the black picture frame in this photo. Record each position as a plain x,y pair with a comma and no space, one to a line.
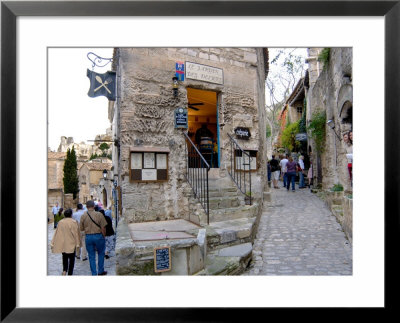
10,10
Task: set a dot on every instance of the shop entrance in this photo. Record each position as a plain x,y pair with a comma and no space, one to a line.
202,123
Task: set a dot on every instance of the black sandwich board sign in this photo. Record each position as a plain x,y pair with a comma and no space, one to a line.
181,118
162,259
242,133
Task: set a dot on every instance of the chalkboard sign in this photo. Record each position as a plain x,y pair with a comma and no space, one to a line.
162,259
181,118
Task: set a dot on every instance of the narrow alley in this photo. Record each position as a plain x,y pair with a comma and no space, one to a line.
81,268
298,235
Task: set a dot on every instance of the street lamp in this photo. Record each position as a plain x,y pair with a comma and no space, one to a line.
331,125
175,85
105,174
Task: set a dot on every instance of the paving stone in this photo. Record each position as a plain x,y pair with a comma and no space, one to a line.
298,235
81,268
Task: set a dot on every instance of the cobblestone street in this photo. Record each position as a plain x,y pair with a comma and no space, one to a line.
81,268
298,235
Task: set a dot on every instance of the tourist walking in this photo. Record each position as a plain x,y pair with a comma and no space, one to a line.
94,224
81,251
110,235
310,175
274,171
291,173
58,217
65,240
348,141
283,164
301,170
55,210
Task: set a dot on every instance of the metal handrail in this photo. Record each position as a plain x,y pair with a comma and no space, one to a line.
197,174
235,174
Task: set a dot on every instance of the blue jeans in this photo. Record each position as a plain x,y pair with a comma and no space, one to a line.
285,179
95,242
291,176
301,180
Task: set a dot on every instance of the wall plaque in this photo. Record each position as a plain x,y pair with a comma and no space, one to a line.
149,160
181,118
204,73
162,259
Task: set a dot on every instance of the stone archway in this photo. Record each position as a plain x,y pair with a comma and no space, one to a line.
345,107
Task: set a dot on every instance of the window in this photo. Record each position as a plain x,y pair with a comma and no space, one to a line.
300,110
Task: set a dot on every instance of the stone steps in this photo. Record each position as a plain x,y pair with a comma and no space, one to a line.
228,233
232,260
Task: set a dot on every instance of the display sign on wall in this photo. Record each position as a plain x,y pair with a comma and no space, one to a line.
242,133
204,73
148,166
181,118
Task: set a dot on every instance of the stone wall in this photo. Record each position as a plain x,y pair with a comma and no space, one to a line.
146,119
329,92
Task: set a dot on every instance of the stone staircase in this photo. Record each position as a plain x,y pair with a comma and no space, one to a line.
230,230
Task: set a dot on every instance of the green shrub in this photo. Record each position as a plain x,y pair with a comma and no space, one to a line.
288,137
324,56
337,188
316,128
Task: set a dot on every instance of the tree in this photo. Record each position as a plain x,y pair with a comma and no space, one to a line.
288,138
71,180
286,68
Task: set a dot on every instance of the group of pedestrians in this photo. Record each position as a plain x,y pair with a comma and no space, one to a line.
287,169
82,234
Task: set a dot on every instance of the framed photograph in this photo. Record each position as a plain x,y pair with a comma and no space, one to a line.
28,294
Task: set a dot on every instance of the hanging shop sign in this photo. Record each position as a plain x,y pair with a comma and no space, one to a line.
181,118
180,71
102,84
162,259
242,133
204,73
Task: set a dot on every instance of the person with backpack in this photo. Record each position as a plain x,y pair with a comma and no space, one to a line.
110,234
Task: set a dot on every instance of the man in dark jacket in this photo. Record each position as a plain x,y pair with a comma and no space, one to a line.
274,171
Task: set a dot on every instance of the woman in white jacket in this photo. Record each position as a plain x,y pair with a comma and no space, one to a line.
65,240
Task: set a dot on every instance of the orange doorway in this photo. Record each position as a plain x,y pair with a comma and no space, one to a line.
202,113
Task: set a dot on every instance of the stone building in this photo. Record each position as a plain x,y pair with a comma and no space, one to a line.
91,183
55,174
330,90
155,121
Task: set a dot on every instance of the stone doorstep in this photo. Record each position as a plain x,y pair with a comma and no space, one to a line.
231,232
243,211
231,260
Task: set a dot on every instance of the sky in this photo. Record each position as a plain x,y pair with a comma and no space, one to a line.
71,112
